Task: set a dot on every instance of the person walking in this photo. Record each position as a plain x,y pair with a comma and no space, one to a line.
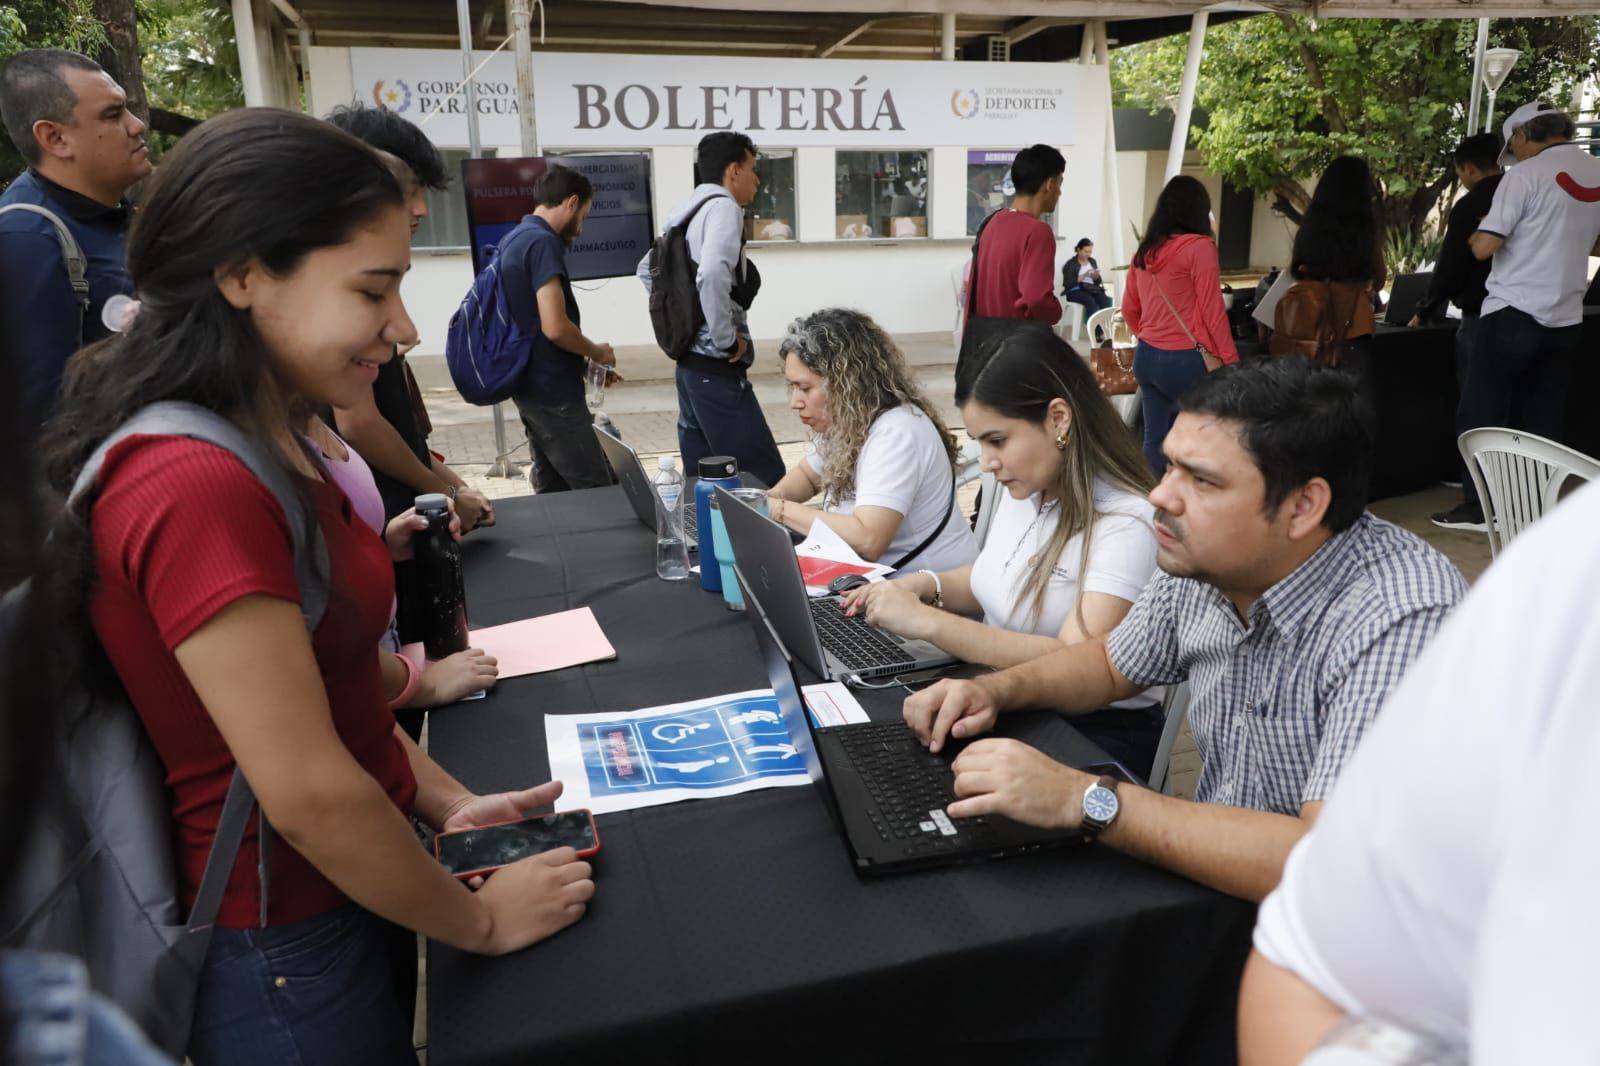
1016,258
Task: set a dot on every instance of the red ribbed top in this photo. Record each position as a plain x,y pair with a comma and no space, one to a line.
181,529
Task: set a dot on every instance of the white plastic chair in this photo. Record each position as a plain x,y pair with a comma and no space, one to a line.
967,463
1176,707
1070,328
988,501
1519,476
1108,320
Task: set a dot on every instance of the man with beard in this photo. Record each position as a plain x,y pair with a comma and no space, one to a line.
1288,609
550,396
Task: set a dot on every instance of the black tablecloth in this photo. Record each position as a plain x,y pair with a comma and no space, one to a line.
734,930
1415,377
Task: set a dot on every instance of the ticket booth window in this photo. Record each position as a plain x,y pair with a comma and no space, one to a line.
880,194
989,185
771,215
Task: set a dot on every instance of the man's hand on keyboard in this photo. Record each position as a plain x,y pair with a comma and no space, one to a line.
1006,777
950,708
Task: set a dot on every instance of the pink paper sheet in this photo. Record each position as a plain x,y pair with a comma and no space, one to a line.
537,645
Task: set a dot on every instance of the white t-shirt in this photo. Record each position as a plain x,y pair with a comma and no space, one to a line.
1449,886
903,466
1548,210
1122,558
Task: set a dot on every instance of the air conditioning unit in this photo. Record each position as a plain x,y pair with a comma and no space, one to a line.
999,50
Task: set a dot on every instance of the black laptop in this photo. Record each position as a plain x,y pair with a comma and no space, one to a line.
886,792
1404,296
837,646
640,492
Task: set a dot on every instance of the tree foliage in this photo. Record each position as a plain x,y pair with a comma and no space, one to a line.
1285,95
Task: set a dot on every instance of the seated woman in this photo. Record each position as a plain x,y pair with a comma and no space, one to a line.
1071,544
880,457
1081,282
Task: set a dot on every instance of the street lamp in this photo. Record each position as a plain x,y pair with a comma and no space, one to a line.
1497,64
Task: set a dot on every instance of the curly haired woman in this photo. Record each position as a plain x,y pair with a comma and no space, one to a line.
881,457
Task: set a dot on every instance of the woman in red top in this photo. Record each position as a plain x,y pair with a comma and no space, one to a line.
268,258
1174,306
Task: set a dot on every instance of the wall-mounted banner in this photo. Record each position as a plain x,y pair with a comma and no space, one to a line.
616,235
614,101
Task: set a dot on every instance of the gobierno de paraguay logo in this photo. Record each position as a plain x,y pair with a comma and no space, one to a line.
964,102
394,95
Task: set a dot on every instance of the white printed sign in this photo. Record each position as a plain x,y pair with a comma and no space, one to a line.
618,101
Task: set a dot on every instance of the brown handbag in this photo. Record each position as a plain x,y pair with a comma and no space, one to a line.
1113,378
1302,323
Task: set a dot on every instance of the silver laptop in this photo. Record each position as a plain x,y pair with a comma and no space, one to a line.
814,630
636,486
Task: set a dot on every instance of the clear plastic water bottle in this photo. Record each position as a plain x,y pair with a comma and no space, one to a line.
672,553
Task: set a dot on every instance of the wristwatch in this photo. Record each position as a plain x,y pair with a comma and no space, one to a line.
1100,807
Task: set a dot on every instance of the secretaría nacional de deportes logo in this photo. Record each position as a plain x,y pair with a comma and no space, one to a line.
964,102
395,95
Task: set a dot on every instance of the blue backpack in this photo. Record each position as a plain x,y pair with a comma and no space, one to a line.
486,349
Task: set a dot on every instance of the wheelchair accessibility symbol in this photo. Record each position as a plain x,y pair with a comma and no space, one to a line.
676,732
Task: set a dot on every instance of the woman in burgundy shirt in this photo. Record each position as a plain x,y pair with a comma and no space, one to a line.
268,259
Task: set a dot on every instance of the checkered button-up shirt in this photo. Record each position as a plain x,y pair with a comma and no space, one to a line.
1280,700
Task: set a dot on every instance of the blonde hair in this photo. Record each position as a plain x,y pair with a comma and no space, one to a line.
866,375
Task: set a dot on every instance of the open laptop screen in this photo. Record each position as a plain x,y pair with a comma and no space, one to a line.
780,675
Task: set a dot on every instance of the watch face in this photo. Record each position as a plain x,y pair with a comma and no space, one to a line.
1100,805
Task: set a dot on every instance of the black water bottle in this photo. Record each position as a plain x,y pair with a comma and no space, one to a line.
444,593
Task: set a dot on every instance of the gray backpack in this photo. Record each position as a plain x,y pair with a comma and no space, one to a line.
71,256
99,877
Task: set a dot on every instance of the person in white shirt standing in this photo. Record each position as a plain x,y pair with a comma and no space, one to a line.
881,457
1448,889
1072,542
1540,230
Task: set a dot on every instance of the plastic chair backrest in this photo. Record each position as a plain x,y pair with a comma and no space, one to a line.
1100,322
1176,707
1519,476
989,499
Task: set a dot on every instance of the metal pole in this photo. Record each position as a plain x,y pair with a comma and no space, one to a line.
1086,43
502,466
519,16
1191,76
244,28
1477,76
1488,123
947,36
305,66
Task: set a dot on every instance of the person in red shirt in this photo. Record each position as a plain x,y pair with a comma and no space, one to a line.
1017,250
268,260
1173,304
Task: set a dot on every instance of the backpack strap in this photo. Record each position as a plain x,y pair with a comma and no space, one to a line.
949,509
179,419
972,277
71,255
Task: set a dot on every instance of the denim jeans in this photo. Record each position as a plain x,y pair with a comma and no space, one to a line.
1517,377
1163,377
301,994
720,416
1090,300
566,454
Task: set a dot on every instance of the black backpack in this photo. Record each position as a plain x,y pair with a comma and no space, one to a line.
675,311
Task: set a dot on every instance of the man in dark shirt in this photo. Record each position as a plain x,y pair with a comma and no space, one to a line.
84,150
390,427
550,396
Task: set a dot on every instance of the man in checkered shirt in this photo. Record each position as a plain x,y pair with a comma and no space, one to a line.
1289,610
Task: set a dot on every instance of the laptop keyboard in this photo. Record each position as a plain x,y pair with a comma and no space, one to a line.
854,643
909,787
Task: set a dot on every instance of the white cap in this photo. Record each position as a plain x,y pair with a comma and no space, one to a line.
667,462
1518,118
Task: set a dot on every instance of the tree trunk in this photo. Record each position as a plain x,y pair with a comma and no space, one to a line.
1290,199
120,56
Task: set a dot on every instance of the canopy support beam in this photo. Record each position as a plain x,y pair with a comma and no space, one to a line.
1477,76
1185,106
824,51
947,36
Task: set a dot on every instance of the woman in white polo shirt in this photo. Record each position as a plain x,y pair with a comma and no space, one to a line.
880,456
1071,544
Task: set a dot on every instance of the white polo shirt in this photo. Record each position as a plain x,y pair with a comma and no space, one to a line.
1122,558
904,467
1448,887
1548,210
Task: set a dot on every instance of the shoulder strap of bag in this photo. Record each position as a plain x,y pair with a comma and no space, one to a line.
72,255
1181,324
949,509
972,278
178,419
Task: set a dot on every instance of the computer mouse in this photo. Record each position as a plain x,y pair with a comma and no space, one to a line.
844,584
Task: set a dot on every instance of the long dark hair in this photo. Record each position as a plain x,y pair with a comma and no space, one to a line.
1028,369
1341,234
1184,206
256,184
